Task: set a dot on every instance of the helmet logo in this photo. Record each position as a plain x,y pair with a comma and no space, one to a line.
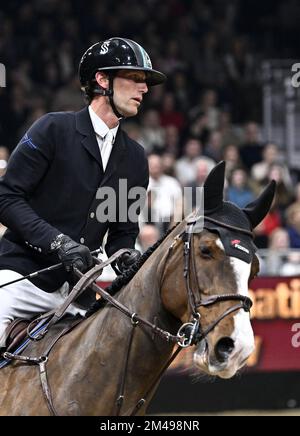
104,47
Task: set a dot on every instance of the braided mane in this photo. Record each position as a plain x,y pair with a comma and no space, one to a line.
125,278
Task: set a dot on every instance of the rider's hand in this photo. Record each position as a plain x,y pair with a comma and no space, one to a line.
72,254
128,259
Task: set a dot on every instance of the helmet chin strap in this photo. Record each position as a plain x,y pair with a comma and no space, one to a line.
116,112
110,94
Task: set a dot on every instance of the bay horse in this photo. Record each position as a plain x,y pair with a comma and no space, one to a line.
190,288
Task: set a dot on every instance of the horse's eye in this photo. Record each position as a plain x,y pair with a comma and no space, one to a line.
206,251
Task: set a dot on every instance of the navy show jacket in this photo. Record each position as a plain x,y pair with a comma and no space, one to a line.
50,187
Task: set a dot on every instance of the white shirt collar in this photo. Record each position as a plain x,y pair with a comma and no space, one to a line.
99,126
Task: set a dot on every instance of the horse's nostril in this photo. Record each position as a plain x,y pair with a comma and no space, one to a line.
223,349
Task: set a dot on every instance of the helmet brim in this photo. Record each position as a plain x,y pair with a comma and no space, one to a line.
153,77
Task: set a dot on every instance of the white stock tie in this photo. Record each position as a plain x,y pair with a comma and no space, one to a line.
106,148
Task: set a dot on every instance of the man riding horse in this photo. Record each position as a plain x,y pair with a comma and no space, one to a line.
50,192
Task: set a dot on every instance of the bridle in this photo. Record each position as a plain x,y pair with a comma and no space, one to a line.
192,333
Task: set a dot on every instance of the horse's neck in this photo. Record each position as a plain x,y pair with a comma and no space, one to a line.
149,353
104,341
142,294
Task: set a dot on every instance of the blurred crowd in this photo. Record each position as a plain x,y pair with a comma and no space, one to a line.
210,108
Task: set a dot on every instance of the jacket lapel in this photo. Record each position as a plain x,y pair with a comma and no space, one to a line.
117,155
89,141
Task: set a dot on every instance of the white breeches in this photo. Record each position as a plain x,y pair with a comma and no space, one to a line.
25,300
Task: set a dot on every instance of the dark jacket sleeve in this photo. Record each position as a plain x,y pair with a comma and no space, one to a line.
124,234
26,168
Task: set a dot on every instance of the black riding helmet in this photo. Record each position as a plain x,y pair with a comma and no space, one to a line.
110,56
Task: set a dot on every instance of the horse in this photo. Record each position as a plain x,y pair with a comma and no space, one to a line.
190,289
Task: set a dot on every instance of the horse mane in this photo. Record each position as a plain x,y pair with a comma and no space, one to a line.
128,275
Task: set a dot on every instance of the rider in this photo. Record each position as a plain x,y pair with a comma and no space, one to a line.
53,188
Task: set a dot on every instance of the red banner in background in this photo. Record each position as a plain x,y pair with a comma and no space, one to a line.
276,323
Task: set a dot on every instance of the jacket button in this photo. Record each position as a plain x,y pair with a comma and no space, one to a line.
92,215
82,241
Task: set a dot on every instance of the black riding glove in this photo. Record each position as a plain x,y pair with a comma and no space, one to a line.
126,260
72,254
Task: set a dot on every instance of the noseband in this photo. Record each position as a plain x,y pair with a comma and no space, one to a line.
192,333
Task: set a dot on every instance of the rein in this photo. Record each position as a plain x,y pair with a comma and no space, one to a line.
189,334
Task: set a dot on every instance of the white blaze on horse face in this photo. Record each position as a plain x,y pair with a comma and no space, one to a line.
243,335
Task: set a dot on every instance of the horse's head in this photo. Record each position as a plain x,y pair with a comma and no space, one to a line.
206,278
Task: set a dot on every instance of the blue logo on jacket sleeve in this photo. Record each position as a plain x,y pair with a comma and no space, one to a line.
28,141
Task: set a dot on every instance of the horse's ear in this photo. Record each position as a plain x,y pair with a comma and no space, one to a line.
214,187
258,210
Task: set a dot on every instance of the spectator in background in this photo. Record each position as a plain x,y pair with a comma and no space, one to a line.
181,91
284,191
280,259
133,130
168,164
297,194
170,115
279,244
239,191
198,127
260,171
239,62
208,67
165,191
152,134
251,148
241,68
172,140
231,154
279,240
173,59
204,167
154,100
208,107
186,166
213,148
291,267
148,236
293,221
229,134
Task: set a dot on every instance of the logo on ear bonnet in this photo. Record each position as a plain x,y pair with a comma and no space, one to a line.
236,243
